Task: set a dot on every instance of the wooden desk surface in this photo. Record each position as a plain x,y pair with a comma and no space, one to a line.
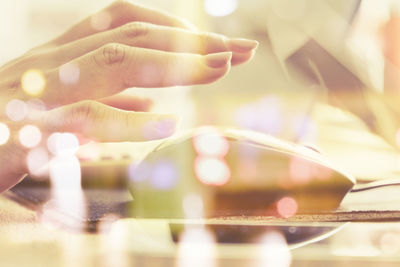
25,241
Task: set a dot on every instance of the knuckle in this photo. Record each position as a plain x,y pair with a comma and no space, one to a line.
170,69
111,54
134,29
212,42
85,110
118,6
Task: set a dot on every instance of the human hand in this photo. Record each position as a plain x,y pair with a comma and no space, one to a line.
86,67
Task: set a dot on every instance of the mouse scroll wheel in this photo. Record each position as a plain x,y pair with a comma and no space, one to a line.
313,148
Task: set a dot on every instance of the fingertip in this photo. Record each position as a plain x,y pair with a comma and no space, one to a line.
162,127
241,58
218,60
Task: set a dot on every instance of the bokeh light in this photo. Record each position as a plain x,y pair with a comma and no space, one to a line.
301,171
286,207
69,73
159,129
37,160
139,171
212,171
29,136
196,248
390,243
220,8
101,21
65,173
16,110
273,251
33,82
4,133
164,175
89,151
208,141
66,189
35,107
248,169
63,144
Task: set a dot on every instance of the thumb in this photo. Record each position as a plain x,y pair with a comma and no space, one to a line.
107,124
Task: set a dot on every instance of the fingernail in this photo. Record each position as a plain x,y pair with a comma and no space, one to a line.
166,127
242,45
218,60
160,129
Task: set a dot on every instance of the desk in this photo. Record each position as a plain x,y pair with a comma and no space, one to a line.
24,241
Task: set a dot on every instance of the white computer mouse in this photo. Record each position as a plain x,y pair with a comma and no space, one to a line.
209,172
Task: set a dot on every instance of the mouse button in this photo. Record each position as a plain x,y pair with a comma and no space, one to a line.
174,140
254,166
162,180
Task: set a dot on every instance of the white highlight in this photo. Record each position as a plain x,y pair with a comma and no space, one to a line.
210,142
273,251
63,144
196,248
16,110
4,133
33,82
66,190
212,171
30,136
220,8
69,73
35,108
36,160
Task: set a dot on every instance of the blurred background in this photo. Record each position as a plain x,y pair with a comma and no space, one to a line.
285,91
264,95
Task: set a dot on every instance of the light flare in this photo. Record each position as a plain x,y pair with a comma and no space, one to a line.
273,251
300,170
196,248
63,144
35,107
164,175
30,136
4,133
212,171
69,73
287,207
390,243
36,160
208,141
66,191
33,82
139,171
220,8
16,110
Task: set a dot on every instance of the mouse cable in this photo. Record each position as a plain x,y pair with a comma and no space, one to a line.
374,185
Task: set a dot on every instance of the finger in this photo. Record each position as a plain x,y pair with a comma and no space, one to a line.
127,102
114,67
241,58
117,14
103,123
12,164
146,35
